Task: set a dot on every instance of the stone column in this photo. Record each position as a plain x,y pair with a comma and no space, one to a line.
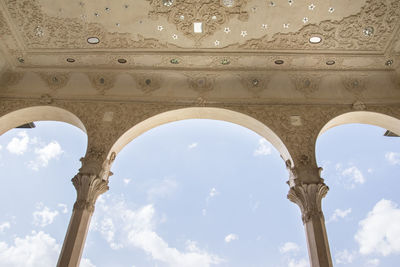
308,197
89,186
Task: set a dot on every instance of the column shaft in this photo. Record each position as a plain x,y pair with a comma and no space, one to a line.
308,197
75,238
88,187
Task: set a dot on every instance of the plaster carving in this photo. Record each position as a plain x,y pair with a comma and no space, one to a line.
223,61
55,81
102,81
308,197
211,13
358,105
67,32
46,99
255,84
346,34
202,84
306,84
4,29
355,85
147,83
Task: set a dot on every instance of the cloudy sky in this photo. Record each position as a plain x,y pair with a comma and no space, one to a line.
198,193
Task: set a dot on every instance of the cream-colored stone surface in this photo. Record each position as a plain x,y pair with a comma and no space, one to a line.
230,72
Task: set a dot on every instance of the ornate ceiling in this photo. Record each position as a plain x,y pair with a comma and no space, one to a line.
199,43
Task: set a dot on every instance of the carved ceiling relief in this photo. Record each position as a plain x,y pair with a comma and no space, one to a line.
102,82
202,84
55,81
255,84
355,85
368,30
147,83
212,14
306,84
40,30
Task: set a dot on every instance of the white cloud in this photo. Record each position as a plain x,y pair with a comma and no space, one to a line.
44,216
354,174
289,247
126,181
18,145
264,148
204,212
1,147
4,226
63,207
137,228
299,263
86,263
45,154
193,145
107,229
379,232
393,158
213,193
231,237
37,249
373,262
350,176
162,189
344,257
339,214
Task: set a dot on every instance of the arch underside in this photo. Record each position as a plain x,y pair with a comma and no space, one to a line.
203,113
38,113
365,117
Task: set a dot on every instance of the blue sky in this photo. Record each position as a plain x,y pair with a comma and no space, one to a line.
198,193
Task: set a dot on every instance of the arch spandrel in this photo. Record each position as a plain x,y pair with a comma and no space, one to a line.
214,113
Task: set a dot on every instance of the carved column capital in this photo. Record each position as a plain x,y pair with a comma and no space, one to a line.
91,181
88,188
308,197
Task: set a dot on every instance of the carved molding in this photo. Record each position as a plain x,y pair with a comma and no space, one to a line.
308,197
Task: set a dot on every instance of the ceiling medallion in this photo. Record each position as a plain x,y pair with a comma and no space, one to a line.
212,14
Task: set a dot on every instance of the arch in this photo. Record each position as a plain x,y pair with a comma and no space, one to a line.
364,117
38,113
202,113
